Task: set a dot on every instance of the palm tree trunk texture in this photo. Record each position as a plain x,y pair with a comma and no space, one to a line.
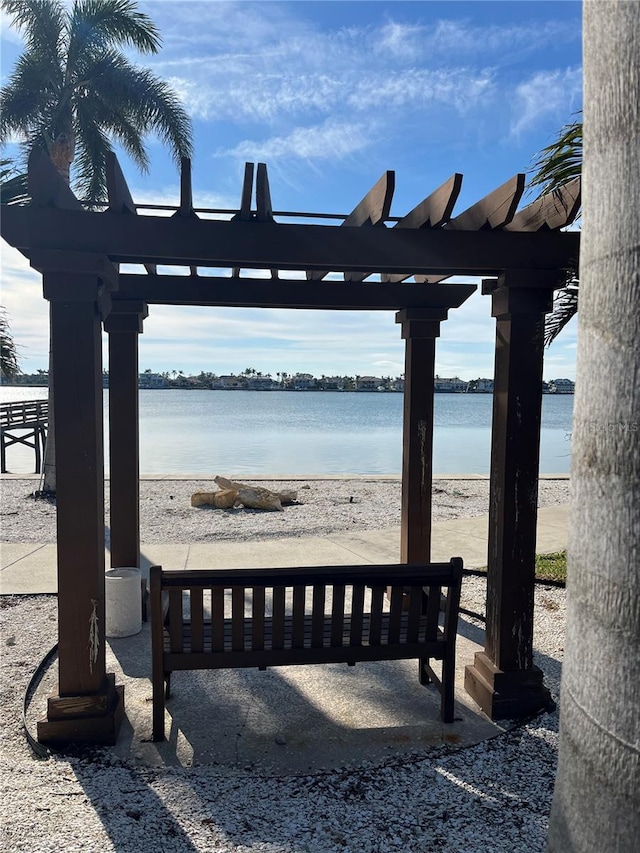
596,804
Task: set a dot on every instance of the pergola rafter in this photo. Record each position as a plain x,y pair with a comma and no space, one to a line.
522,257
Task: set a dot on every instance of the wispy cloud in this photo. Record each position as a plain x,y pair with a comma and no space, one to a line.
546,93
332,140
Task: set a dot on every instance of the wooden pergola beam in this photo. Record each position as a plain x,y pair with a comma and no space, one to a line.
186,210
432,212
120,200
214,243
553,210
495,210
286,293
373,209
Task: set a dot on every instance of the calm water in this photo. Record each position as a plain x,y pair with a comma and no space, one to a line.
286,432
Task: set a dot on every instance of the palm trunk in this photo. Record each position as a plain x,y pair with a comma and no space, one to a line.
596,805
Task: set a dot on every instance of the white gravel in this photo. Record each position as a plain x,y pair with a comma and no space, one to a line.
491,797
324,507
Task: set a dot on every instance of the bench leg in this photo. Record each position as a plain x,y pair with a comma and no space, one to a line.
167,681
447,689
423,672
158,709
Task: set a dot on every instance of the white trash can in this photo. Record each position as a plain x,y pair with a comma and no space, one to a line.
123,602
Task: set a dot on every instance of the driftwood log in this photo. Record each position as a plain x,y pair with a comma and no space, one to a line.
256,497
222,499
252,497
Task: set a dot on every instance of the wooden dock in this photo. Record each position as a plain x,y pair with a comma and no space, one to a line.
25,422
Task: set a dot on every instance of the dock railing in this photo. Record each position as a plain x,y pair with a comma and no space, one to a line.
24,422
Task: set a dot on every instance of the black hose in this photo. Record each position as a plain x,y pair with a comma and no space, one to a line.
38,749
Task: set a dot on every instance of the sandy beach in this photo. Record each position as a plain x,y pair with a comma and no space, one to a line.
324,506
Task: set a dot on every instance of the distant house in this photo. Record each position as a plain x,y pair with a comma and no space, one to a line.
302,382
561,386
368,383
151,380
332,383
229,383
449,386
480,386
260,383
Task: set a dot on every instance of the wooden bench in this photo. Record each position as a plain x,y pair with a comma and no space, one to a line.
213,619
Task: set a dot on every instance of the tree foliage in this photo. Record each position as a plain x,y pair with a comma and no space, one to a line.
73,91
9,366
555,166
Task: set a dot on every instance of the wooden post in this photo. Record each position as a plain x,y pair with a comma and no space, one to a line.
123,325
420,328
503,679
88,707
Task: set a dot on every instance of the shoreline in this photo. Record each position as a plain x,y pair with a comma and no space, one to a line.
324,507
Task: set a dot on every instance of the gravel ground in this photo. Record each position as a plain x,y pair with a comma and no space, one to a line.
494,796
324,507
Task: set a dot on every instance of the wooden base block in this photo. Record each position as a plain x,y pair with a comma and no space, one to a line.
84,719
505,695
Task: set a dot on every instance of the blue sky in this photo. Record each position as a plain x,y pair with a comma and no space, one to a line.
330,95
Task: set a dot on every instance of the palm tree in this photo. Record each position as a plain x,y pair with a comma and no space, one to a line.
9,366
596,803
73,92
555,166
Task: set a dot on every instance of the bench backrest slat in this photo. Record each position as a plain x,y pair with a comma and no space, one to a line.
175,620
237,618
375,623
415,612
197,620
337,615
395,615
357,611
297,628
217,619
277,635
257,615
317,616
433,612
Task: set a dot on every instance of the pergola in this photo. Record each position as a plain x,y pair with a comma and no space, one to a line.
522,255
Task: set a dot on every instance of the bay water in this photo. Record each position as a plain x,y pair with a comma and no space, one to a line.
205,433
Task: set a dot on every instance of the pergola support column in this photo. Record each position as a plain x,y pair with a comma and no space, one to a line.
123,325
420,328
503,679
88,706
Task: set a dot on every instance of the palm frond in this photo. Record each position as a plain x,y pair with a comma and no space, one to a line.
92,146
560,162
29,95
99,25
144,101
565,307
42,23
13,186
